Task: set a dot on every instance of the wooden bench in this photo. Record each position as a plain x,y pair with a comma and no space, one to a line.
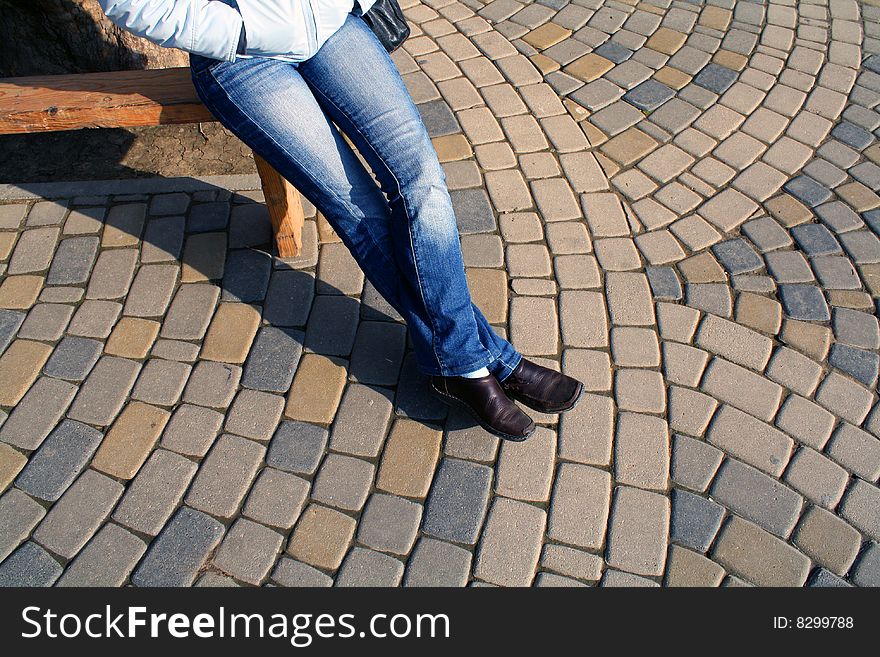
123,99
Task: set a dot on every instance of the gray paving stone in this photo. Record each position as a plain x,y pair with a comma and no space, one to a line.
815,240
343,482
789,267
37,413
389,524
289,298
161,382
855,328
838,216
277,498
414,398
155,492
437,563
766,234
29,565
112,274
19,514
614,52
205,217
361,421
73,261
618,579
246,275
836,273
807,190
860,364
60,459
804,302
825,578
249,225
248,551
378,353
862,246
649,95
33,252
174,203
332,325
107,560
273,359
290,572
438,118
375,307
856,450
297,447
212,384
255,415
716,78
177,555
458,500
664,283
11,214
695,520
364,567
867,570
859,507
694,462
712,298
78,513
852,135
757,497
473,212
102,395
225,476
163,240
151,291
737,257
190,312
10,321
46,322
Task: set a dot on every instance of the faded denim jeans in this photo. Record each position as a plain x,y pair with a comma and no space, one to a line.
403,231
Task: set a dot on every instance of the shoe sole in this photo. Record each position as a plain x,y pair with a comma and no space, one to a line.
570,405
449,400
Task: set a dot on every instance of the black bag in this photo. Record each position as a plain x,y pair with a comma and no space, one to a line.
386,20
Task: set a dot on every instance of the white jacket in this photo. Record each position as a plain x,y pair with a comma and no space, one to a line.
292,30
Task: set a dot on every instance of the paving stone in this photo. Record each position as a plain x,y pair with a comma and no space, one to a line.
457,504
649,95
857,451
254,415
694,463
212,384
133,338
525,470
107,560
580,505
695,520
715,78
860,364
161,382
712,298
248,551
46,322
231,333
859,507
37,413
828,539
124,225
101,397
180,551
690,411
190,312
343,482
844,398
322,537
759,313
112,274
20,292
641,451
130,440
759,557
734,342
78,514
19,367
208,216
290,572
807,190
155,492
794,371
811,339
743,389
511,543
19,514
364,567
867,570
664,283
616,578
804,302
29,565
409,459
541,337
73,261
683,365
332,325
246,275
437,563
389,524
752,441
637,533
225,476
689,569
362,421
414,398
277,499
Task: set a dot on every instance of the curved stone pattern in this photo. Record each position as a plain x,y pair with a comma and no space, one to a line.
674,201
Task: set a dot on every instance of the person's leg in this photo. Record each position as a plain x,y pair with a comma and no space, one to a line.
357,84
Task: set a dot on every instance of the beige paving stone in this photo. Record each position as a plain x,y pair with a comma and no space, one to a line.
758,556
322,537
231,332
586,432
504,101
555,200
592,368
544,63
743,389
695,232
525,470
538,165
20,365
795,371
520,227
730,59
759,313
583,172
497,155
810,339
629,146
11,463
690,411
845,398
409,459
588,67
806,422
617,254
672,77
788,210
641,391
637,533
479,125
130,440
858,196
683,364
702,268
533,325
751,440
459,93
20,292
687,568
565,134
728,209
666,41
450,148
734,342
635,347
489,291
508,190
132,337
317,389
582,317
579,508
677,322
659,247
666,162
641,451
828,540
546,35
605,215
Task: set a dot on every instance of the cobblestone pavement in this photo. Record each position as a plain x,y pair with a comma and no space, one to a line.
674,201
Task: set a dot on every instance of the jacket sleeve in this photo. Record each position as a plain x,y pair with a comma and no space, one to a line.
211,29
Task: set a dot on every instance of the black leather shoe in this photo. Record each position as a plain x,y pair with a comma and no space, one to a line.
484,399
541,388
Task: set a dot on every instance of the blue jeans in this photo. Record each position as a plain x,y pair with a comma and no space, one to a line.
402,232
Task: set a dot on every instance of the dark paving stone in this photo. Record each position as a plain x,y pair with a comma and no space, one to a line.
297,447
807,190
695,520
438,118
438,563
60,459
207,217
10,321
872,218
804,302
107,560
246,276
290,572
249,225
613,52
38,412
165,204
860,364
289,298
649,95
163,239
852,135
867,570
815,240
473,212
664,283
378,353
716,78
273,359
73,261
73,358
375,307
414,398
872,63
737,257
457,503
29,565
175,557
826,579
332,325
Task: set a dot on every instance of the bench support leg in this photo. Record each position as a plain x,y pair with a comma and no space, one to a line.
285,209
